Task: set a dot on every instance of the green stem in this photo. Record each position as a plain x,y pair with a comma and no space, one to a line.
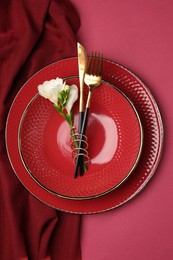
69,119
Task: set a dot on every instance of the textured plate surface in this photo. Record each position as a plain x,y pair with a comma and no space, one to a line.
152,146
114,139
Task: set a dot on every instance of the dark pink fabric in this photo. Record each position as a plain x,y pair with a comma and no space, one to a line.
32,35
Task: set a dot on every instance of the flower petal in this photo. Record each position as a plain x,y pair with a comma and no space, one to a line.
50,89
73,96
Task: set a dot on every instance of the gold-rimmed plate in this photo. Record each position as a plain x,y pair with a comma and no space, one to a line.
114,137
151,122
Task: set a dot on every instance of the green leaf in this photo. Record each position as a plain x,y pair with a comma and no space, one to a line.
57,108
63,97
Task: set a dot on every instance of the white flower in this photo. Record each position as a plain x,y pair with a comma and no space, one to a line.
51,89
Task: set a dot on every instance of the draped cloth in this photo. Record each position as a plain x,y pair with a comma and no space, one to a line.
33,34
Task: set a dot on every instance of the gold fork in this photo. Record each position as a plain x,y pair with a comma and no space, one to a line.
93,78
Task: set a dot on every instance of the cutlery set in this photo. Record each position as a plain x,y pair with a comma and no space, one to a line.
91,75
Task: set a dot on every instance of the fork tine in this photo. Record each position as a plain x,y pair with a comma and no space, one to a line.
99,72
90,63
95,64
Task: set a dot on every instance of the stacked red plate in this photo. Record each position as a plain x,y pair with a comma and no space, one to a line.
125,136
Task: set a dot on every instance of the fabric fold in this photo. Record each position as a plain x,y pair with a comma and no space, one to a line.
33,34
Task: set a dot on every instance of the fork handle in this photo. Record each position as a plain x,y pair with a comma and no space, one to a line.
80,122
81,116
83,130
85,120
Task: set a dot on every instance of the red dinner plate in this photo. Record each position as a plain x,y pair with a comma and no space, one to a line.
114,141
49,192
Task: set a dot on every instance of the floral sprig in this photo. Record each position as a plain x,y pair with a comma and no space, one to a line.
61,95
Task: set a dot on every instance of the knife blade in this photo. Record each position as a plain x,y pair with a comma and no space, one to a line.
82,64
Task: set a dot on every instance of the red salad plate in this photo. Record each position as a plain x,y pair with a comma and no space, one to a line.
114,142
38,145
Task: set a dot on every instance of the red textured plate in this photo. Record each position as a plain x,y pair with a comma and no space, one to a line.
114,137
152,145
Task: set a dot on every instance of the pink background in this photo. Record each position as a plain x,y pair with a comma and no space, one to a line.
139,35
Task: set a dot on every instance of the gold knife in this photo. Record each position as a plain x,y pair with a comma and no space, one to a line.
82,66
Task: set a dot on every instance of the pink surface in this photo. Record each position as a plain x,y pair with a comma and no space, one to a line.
138,35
